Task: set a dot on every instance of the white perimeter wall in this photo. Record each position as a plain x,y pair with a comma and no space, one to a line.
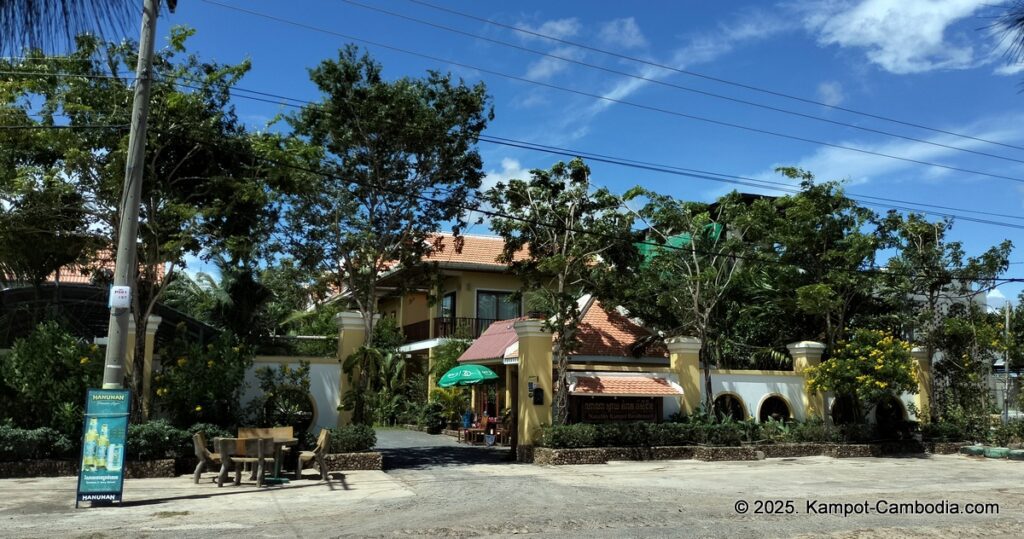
323,386
753,388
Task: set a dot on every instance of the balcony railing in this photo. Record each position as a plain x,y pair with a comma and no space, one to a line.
447,328
461,328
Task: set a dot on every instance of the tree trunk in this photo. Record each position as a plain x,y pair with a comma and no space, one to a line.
705,358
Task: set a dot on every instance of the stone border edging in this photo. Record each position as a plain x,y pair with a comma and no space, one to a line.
601,455
134,469
366,460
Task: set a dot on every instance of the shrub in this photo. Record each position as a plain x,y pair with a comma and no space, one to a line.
813,431
157,440
1010,433
202,384
570,436
48,373
431,416
41,443
672,434
210,431
352,439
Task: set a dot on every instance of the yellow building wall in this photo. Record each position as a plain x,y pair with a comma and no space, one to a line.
465,284
414,308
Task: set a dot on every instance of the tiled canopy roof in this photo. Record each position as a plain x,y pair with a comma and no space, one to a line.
493,343
625,386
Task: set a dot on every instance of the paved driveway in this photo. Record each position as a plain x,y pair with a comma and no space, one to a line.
407,449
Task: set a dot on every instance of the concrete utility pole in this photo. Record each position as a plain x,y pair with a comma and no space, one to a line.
125,265
1006,366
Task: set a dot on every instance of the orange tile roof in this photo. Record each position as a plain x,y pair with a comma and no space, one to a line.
475,250
82,274
605,332
625,386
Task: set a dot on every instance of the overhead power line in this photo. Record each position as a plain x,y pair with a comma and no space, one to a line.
554,226
610,99
705,175
660,82
710,77
680,171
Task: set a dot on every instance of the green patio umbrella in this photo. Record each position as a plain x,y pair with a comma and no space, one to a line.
466,375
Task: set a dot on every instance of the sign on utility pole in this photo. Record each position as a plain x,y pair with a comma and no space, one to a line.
128,231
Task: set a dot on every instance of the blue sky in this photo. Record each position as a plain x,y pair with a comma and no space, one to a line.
934,63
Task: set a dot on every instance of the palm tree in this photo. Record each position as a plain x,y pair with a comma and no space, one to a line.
45,24
1011,23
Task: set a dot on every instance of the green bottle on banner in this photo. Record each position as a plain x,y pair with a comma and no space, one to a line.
102,444
89,450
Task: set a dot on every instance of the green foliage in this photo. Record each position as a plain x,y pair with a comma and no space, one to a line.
41,443
352,439
871,365
48,373
431,416
202,383
1011,433
284,398
157,439
567,231
446,355
453,401
569,436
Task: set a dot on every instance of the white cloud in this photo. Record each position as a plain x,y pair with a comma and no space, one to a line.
557,28
858,168
830,93
510,169
1009,69
547,67
623,33
701,49
905,36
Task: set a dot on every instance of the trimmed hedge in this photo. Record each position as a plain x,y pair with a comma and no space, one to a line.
352,439
708,433
42,443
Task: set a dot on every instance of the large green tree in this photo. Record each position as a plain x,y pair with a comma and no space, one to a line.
693,253
569,232
930,273
399,163
208,184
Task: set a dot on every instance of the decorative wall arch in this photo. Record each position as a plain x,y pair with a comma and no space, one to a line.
762,417
732,405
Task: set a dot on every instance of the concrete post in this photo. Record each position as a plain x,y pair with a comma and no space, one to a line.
351,335
808,354
923,370
684,360
147,372
535,367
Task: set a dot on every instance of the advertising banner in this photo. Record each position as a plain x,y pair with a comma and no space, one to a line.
101,470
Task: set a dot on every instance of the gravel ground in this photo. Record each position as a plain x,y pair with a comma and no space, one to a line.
425,492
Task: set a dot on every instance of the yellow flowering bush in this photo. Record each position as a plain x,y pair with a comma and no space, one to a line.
871,365
202,383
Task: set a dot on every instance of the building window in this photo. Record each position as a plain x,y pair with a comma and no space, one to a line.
496,306
448,305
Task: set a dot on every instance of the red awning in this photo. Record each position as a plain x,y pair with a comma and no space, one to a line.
624,386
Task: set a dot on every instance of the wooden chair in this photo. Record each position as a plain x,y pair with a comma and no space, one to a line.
204,456
236,452
323,442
